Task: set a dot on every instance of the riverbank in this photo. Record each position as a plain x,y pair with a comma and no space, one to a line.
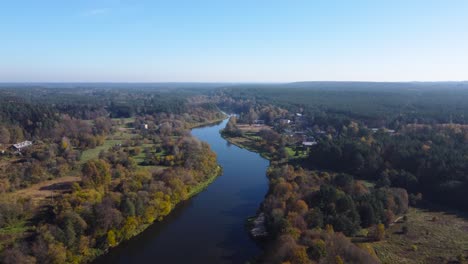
211,223
247,144
193,192
256,225
207,123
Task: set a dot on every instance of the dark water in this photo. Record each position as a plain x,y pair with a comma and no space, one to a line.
209,228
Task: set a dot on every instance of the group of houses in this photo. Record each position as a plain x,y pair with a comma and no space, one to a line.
293,126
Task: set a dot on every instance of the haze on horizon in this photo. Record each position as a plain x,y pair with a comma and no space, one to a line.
235,41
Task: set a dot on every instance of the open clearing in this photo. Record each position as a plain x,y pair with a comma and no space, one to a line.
46,189
433,237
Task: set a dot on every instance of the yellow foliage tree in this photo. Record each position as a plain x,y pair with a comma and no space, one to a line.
339,260
130,226
111,239
379,232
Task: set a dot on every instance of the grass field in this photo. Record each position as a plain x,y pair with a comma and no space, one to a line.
292,153
123,133
433,237
94,153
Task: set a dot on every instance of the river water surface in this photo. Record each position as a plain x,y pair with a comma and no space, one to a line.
209,228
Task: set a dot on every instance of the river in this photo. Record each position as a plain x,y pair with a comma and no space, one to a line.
210,227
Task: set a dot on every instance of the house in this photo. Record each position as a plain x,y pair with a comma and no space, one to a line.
144,126
259,122
309,143
386,130
21,145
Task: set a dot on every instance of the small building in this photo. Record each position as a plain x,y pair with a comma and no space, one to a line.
144,126
284,121
309,143
386,130
259,122
21,145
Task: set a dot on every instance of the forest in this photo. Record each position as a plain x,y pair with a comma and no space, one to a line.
377,150
349,164
108,163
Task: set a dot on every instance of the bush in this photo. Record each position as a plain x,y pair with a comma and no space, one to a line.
379,232
317,250
404,230
10,212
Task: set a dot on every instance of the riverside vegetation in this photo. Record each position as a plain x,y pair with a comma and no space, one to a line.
359,172
103,180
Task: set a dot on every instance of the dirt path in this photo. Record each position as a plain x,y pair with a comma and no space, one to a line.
43,190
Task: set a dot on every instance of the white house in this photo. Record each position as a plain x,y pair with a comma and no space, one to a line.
22,145
308,143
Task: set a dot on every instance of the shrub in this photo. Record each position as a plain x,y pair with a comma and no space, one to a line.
317,250
379,232
404,230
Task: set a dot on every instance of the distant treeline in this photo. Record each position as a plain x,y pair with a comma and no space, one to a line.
36,110
376,104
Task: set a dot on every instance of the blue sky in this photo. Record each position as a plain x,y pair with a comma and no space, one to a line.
233,41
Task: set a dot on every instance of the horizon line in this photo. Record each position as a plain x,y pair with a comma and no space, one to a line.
219,82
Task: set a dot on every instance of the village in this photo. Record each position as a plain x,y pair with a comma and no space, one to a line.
299,132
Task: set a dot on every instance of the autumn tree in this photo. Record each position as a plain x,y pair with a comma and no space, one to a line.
96,173
379,232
